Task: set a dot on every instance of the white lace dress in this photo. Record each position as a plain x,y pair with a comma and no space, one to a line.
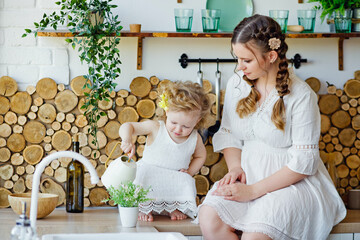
305,210
159,168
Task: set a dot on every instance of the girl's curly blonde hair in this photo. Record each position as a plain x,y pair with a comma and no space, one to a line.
185,96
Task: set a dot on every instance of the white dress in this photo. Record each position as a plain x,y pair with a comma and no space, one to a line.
159,169
305,210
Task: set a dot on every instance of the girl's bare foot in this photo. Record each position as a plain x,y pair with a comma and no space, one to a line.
177,215
145,217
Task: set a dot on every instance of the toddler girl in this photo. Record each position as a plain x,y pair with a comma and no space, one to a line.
173,153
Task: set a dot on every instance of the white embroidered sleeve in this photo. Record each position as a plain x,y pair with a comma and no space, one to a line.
224,138
305,129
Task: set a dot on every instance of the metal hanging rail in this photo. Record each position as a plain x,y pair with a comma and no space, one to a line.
184,60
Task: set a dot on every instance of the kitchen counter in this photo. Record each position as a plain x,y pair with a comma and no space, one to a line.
107,220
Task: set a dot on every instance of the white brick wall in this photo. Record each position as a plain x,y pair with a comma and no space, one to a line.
19,3
61,57
29,59
46,4
2,37
15,55
51,42
60,74
3,70
13,38
28,74
18,18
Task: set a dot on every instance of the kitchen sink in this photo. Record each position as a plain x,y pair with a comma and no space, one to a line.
117,236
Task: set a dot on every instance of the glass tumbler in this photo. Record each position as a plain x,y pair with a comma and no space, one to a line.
306,18
343,21
210,19
183,19
281,16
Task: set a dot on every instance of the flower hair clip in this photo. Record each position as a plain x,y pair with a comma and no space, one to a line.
164,102
274,43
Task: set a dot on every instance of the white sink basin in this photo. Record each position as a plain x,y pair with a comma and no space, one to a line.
117,236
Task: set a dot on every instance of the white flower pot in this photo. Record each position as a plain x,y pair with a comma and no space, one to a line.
128,216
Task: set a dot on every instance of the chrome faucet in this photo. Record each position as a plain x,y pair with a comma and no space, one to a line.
40,168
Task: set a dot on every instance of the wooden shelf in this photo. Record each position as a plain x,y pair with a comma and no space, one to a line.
142,35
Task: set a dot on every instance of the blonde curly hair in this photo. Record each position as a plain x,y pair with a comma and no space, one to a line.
185,96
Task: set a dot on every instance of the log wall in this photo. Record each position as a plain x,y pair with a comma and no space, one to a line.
43,119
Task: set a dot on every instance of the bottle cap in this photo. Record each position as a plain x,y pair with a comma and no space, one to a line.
75,138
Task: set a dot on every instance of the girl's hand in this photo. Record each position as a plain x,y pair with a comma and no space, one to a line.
238,192
236,174
128,148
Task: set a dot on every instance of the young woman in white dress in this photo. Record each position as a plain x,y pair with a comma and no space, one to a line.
173,153
277,186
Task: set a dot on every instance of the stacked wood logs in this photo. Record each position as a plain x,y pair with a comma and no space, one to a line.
43,119
340,132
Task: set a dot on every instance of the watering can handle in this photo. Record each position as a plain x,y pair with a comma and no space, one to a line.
107,160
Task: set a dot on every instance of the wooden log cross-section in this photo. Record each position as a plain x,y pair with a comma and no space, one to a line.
140,86
352,88
48,185
33,154
20,103
8,86
328,104
46,88
47,113
4,105
77,85
66,101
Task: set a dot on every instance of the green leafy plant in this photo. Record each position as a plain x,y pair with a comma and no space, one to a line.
356,4
96,35
328,7
128,194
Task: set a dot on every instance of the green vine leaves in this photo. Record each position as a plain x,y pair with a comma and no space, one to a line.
96,36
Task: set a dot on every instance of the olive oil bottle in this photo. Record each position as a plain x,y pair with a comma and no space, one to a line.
75,183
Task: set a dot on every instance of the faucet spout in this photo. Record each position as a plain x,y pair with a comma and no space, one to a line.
40,168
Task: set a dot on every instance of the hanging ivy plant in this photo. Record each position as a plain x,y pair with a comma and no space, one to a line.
96,36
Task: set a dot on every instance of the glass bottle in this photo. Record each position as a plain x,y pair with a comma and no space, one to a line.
75,183
22,230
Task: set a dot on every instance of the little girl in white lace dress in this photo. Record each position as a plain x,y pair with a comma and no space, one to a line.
173,153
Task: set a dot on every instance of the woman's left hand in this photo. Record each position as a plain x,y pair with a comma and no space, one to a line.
237,191
184,171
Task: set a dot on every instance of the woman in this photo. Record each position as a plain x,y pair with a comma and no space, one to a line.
277,186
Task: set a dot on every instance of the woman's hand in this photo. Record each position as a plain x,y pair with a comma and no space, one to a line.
236,174
237,191
184,171
128,148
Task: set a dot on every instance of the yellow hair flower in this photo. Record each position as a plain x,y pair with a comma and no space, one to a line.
164,102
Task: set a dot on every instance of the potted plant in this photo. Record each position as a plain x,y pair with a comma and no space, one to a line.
356,16
329,7
128,196
97,43
340,10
